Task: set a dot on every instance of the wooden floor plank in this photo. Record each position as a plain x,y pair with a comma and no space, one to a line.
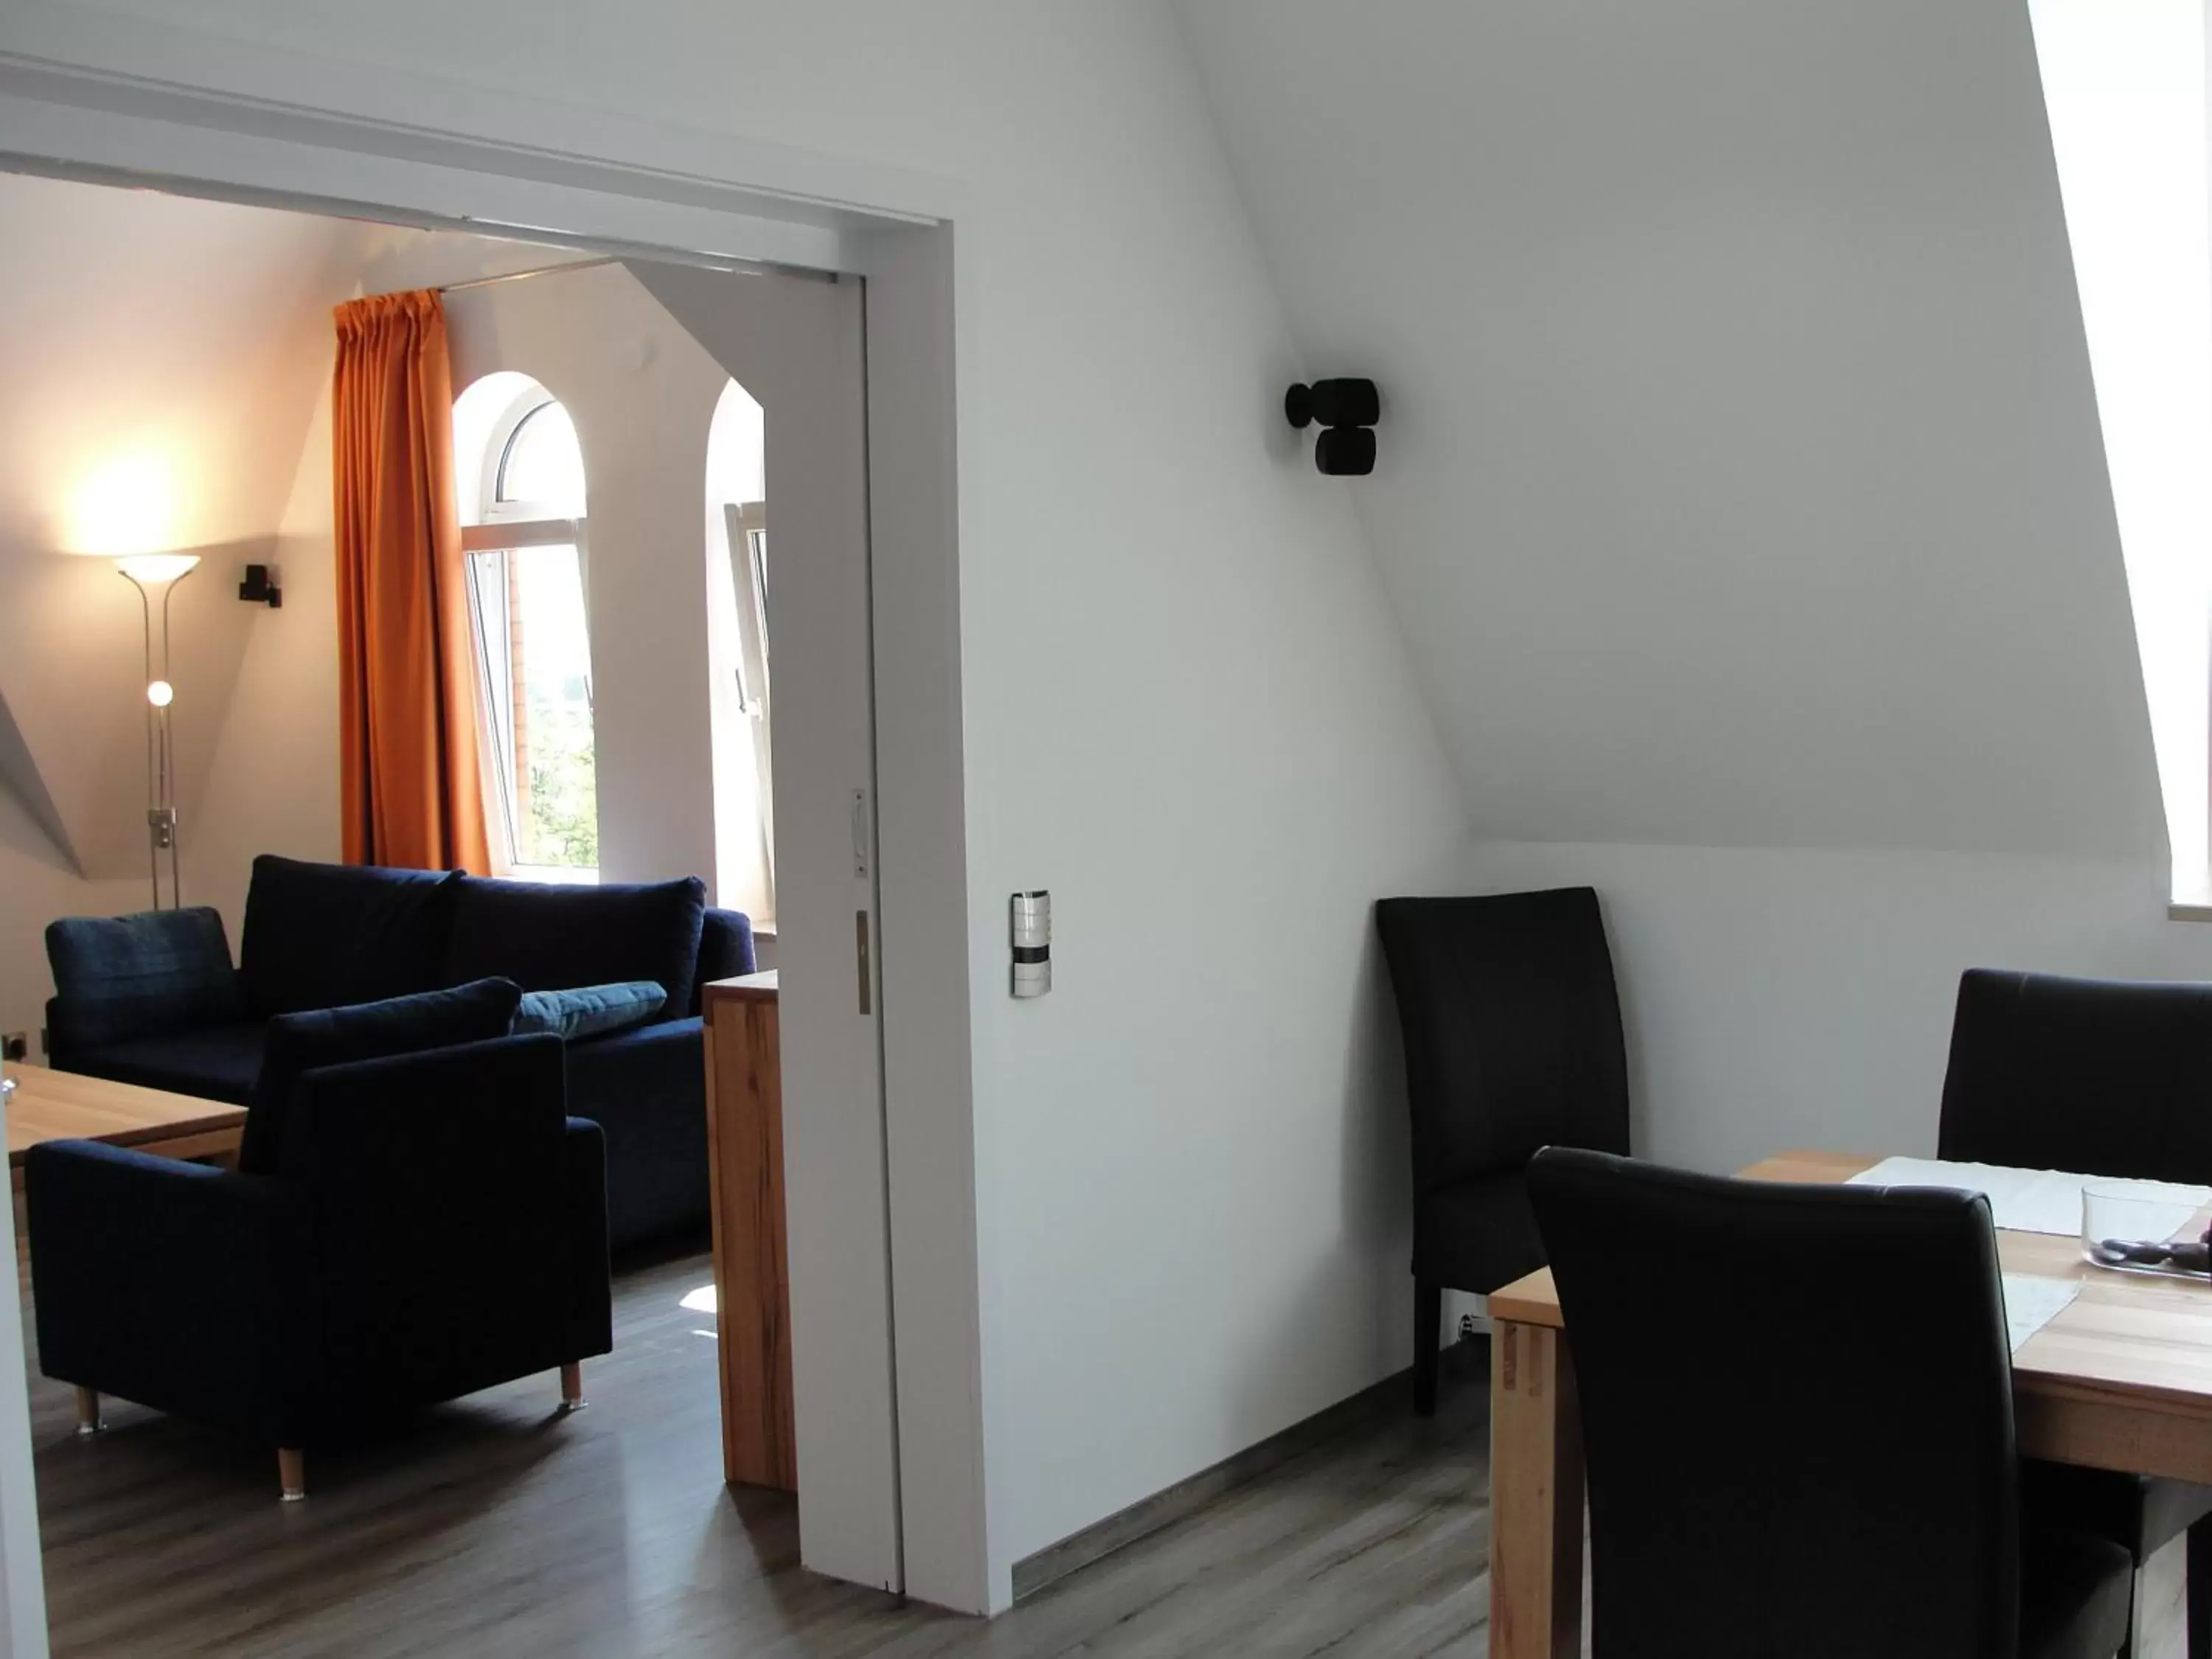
498,1527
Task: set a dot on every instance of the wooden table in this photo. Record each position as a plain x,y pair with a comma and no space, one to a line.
49,1105
2121,1379
752,1279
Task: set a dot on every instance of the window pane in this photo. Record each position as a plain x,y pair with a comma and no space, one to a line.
544,463
529,608
488,608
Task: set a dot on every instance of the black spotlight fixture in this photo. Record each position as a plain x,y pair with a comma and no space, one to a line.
1346,412
260,587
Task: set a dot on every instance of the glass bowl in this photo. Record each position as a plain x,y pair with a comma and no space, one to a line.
2126,1231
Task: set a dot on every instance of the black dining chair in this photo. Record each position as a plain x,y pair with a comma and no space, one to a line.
2094,1077
1512,1036
1798,1421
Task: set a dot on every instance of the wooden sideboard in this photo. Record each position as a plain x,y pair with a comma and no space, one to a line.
752,1284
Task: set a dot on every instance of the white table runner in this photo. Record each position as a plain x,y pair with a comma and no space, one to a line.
2031,1302
2039,1200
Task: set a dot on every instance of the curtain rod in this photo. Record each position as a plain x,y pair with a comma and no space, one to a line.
518,275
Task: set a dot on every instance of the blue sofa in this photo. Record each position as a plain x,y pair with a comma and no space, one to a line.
154,999
434,1223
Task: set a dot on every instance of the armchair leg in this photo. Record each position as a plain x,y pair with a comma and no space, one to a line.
87,1412
572,1387
1428,1344
292,1472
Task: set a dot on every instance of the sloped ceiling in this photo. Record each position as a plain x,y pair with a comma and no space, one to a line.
1741,480
160,362
162,358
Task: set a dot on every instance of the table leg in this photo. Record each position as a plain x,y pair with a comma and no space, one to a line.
1535,1496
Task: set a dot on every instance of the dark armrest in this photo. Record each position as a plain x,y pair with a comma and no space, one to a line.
590,1286
726,950
165,1283
120,977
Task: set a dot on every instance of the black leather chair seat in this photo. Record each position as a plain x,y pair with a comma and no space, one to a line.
2137,1511
1478,1232
2076,1594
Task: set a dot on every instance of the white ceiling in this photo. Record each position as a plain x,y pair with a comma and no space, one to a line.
1740,476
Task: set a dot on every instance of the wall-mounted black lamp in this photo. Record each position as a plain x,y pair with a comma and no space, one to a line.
1348,411
260,587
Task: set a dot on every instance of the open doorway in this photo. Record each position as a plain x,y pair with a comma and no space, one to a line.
588,622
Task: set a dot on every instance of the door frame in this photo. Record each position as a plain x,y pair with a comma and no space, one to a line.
116,100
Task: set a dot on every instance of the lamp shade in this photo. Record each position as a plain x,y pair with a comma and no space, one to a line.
152,569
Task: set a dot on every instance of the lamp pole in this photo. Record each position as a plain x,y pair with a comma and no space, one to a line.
147,573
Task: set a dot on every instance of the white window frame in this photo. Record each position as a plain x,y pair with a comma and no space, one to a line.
746,523
509,527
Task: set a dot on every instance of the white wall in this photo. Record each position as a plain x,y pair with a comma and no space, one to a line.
1183,698
273,787
1741,479
643,394
1779,998
1745,486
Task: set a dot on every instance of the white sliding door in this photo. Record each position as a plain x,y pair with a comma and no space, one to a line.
794,343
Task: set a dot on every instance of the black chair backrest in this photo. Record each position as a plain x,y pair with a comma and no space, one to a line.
1797,1408
1512,1028
2099,1077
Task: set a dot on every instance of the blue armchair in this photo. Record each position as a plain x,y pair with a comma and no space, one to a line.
437,1224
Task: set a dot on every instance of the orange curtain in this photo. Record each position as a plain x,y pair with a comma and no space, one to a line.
412,793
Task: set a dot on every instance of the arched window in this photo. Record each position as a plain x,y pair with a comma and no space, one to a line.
737,634
521,472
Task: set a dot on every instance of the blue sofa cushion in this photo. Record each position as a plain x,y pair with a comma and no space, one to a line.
549,937
146,975
219,1063
589,1010
303,1043
328,935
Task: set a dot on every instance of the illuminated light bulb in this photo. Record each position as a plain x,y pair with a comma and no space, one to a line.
160,694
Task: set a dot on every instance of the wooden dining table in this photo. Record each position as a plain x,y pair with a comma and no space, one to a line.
2120,1379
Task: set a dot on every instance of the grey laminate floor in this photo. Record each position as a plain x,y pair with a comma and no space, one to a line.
498,1529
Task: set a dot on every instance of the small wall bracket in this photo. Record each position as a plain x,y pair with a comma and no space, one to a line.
260,587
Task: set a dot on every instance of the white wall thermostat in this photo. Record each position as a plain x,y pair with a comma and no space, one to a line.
1032,944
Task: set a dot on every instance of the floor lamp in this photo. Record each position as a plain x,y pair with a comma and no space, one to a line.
157,575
